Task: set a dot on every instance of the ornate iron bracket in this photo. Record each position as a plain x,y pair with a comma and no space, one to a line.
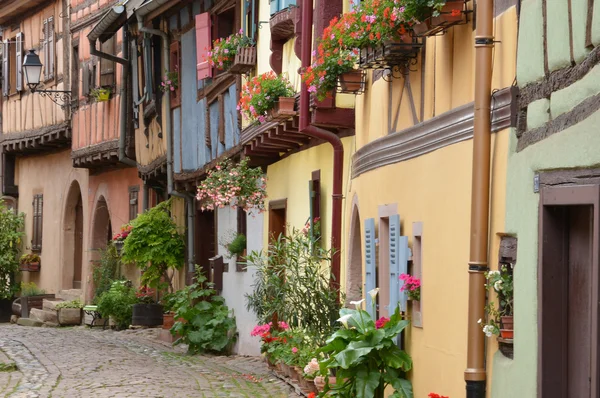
60,98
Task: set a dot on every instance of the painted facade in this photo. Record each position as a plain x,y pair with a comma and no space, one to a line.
553,148
410,193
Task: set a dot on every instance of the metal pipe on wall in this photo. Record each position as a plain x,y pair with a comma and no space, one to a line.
475,374
333,139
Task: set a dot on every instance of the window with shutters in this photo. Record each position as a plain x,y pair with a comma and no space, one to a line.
107,67
133,201
19,42
208,28
417,272
48,48
38,214
5,67
250,18
174,62
242,229
12,67
279,5
75,76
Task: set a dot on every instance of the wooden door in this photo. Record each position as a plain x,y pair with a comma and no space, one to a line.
277,218
205,240
78,252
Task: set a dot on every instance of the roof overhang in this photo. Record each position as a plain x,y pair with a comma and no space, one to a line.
111,22
12,10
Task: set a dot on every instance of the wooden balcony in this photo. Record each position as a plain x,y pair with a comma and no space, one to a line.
12,10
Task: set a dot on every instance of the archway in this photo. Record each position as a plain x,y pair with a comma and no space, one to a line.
73,239
354,274
100,236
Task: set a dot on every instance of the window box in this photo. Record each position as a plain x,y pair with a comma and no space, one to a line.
453,13
30,267
284,108
245,61
390,54
352,82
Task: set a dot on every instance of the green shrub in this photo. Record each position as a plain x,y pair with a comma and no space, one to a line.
106,271
208,326
31,289
11,233
69,304
237,245
118,302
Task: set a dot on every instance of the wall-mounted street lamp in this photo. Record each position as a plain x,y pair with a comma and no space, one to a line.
33,71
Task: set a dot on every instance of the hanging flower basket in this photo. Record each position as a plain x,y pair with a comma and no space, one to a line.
245,60
454,12
391,54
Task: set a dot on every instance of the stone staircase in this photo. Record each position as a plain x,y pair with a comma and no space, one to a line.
48,315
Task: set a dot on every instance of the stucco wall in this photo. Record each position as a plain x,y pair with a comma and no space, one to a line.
52,176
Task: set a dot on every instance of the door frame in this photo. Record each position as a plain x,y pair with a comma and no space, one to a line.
554,196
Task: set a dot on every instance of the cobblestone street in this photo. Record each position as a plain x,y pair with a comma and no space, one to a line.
79,362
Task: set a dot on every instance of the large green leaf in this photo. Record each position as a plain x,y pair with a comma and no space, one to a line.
402,387
394,330
351,356
366,382
396,358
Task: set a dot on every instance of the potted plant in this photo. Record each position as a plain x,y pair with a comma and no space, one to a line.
263,93
117,303
168,302
118,239
101,94
30,262
235,185
170,82
69,312
11,234
235,53
438,16
412,287
237,247
365,357
146,311
500,315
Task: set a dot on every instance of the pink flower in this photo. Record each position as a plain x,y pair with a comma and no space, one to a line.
294,350
381,322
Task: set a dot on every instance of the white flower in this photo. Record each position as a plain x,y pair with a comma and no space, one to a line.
357,304
373,294
312,367
491,274
344,320
498,285
488,330
479,321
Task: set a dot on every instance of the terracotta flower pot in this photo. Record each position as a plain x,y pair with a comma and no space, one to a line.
320,382
506,334
168,320
308,386
421,28
351,81
507,322
452,11
286,104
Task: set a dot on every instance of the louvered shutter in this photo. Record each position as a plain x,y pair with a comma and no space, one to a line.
5,69
38,206
19,63
148,87
45,50
398,260
107,67
203,45
51,55
85,76
370,265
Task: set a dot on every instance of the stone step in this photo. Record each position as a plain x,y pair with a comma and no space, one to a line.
70,294
43,315
29,322
50,304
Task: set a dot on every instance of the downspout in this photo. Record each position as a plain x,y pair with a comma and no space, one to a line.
475,374
335,141
169,136
124,62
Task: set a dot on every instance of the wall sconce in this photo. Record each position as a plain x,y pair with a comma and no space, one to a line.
33,71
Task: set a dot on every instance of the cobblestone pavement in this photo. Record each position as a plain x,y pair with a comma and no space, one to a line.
79,362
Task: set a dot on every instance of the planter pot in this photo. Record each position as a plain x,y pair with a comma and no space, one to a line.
286,104
30,267
507,322
390,54
29,302
69,316
296,374
168,320
245,60
351,82
320,382
506,334
147,315
111,322
308,385
103,95
449,13
422,28
119,246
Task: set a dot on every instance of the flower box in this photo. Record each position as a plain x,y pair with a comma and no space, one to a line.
453,13
244,62
391,54
284,108
30,267
352,82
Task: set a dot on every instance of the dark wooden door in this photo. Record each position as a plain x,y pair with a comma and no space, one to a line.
78,252
277,221
205,240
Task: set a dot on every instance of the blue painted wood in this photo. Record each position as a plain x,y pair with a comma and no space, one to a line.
177,148
202,151
274,6
190,113
232,136
394,241
184,14
214,130
403,255
286,3
197,7
173,22
370,264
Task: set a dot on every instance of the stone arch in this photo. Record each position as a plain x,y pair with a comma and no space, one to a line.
354,274
101,231
72,264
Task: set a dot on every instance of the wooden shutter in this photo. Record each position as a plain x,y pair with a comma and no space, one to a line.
133,201
398,260
38,206
45,50
174,57
370,270
203,45
107,67
85,76
19,63
5,69
51,55
148,87
221,103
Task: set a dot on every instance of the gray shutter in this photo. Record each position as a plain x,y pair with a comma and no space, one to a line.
5,69
370,270
45,50
38,206
148,69
85,76
398,260
51,55
19,63
274,6
107,68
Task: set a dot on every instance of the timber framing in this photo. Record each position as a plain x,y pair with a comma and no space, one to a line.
98,156
156,170
446,129
46,139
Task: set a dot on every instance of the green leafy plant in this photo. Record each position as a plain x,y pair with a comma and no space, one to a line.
170,81
100,93
106,271
31,289
208,324
29,258
237,246
260,94
225,49
292,284
146,295
235,185
155,246
8,367
70,304
117,303
365,358
11,233
501,282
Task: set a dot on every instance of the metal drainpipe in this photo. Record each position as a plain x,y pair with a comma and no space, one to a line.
169,136
124,62
334,140
475,374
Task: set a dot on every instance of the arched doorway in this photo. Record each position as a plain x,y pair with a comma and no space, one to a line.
100,236
354,280
73,239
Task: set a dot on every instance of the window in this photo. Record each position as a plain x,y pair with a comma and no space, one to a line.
250,18
12,67
417,271
38,212
174,61
208,28
75,76
107,67
48,48
19,40
242,229
133,201
5,68
278,5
